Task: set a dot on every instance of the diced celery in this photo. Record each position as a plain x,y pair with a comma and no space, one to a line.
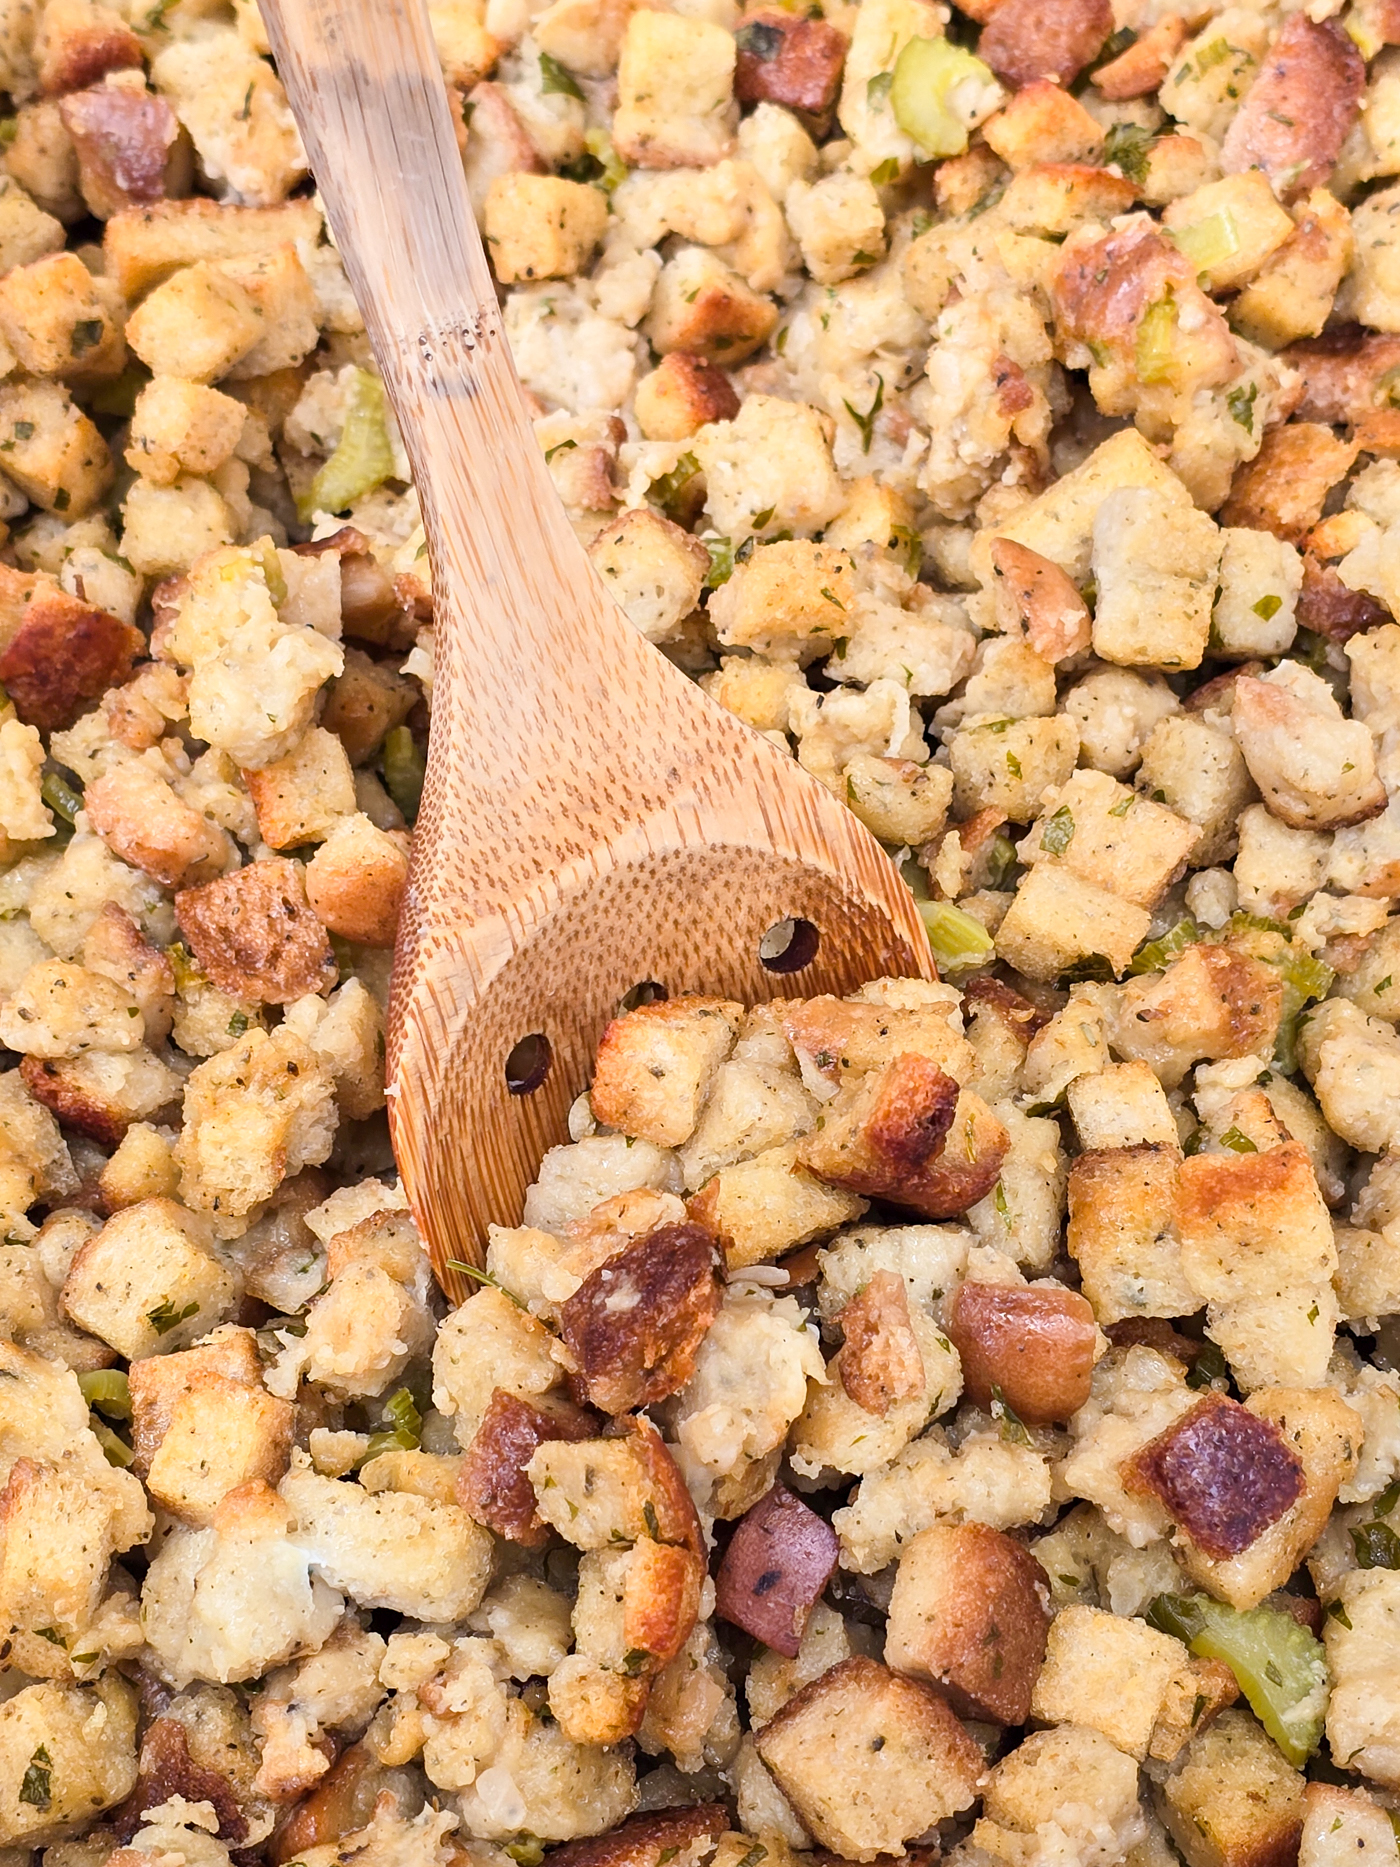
599,145
1208,243
108,1391
956,938
404,771
1280,1667
401,1415
1156,341
1305,978
272,571
116,1451
60,796
1153,955
364,457
937,93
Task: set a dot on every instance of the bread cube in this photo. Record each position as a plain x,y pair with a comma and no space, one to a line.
680,396
773,458
1071,1770
1043,123
356,879
255,935
144,245
60,1010
839,224
1256,608
763,1207
699,305
1155,566
653,568
181,427
364,703
140,818
1122,1106
142,1167
1316,770
869,1759
1292,296
1277,867
542,227
655,1066
1234,1800
1200,775
1007,765
791,599
1057,918
149,1282
27,233
1121,1233
1111,836
55,320
675,85
196,326
49,448
1108,1673
302,797
1259,225
75,1764
968,1614
1343,1825
166,528
1283,489
1212,1001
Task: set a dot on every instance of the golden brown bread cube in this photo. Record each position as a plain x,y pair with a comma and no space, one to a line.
1032,1348
869,1759
1234,1801
255,935
655,1065
970,1614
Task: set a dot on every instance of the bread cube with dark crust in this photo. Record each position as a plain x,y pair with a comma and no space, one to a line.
1027,39
596,1492
1029,1346
796,62
1297,113
492,1485
643,1840
1139,70
165,1768
1222,1474
655,1065
255,935
634,1326
969,1613
841,1039
1344,373
1283,488
78,42
63,654
870,1759
127,144
1234,1801
778,1562
880,1362
1042,598
373,606
1195,1698
682,394
906,1134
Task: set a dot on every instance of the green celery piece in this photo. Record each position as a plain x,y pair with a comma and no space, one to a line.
1280,1667
364,457
1156,341
1208,243
956,938
404,771
926,74
108,1391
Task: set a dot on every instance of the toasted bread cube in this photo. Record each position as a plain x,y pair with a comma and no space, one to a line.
1058,918
280,291
255,935
774,458
1198,1694
1069,1769
1007,765
1283,489
27,233
50,449
1292,296
1034,1347
166,528
1043,123
675,86
1259,225
869,1759
182,427
1200,774
1256,609
897,800
55,320
700,306
1234,1801
839,224
364,703
144,245
1344,1826
969,1614
204,1424
81,1764
355,881
542,227
791,599
1207,80
1155,566
143,1167
1108,1673
653,568
1110,836
760,1208
139,817
1121,1233
60,1010
680,396
1213,1001
300,798
655,1066
149,1283
197,325
1317,770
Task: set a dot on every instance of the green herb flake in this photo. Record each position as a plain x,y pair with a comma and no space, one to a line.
877,89
87,335
1240,403
649,1518
1376,1546
866,422
556,80
1238,1141
165,1317
1013,1429
887,171
36,1786
1267,606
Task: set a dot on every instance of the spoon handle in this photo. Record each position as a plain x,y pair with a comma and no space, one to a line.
366,87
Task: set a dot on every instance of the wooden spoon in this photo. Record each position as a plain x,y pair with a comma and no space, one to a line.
591,821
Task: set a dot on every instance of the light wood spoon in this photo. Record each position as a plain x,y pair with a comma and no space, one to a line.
591,821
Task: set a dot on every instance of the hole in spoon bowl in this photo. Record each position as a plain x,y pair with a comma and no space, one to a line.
528,1064
789,945
648,992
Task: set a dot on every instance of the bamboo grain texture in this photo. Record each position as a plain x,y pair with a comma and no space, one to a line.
590,819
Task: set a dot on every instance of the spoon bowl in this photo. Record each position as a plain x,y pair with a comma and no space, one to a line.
591,822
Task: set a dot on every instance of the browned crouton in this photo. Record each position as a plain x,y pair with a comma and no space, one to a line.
1283,488
491,1484
1296,114
355,881
905,1133
843,1039
125,142
634,1326
790,61
144,244
1346,373
969,1613
99,1094
116,947
869,1759
1025,39
774,1570
646,1840
1121,1231
1327,607
682,394
655,1066
304,795
880,1362
165,1768
1222,1474
78,41
255,935
1042,598
141,820
364,703
1234,1801
1138,71
1043,123
63,655
1032,1347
